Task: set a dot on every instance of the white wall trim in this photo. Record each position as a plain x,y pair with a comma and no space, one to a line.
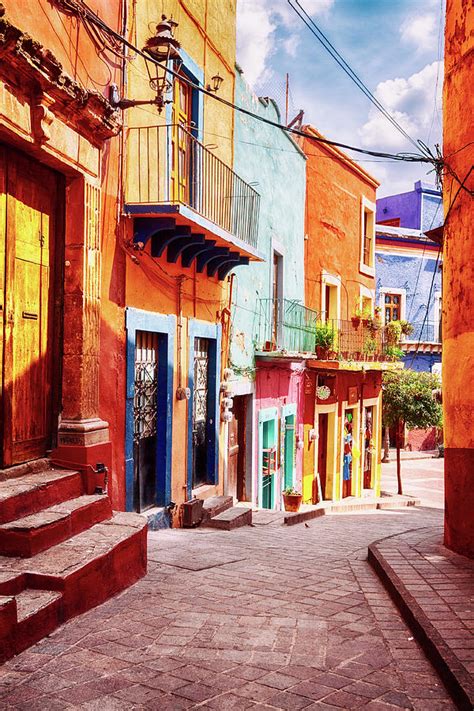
334,280
367,206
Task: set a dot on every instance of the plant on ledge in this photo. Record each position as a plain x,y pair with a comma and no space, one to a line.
393,353
370,346
407,328
393,333
324,339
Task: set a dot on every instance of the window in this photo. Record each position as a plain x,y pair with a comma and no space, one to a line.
367,238
392,307
277,308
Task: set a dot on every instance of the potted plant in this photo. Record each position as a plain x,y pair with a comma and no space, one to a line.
357,316
393,333
324,337
370,346
407,327
393,353
292,499
367,317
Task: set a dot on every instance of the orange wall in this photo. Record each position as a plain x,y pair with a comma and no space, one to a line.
334,189
458,277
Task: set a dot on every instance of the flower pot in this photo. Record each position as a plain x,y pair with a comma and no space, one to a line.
332,355
355,321
322,353
365,322
292,502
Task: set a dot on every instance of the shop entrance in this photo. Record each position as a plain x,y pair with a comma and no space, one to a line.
237,454
323,450
29,199
348,453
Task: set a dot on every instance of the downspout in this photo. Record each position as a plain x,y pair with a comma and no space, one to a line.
225,355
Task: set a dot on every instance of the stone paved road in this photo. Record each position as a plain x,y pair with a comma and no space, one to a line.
423,478
263,617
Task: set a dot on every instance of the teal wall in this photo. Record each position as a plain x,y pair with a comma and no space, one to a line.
269,159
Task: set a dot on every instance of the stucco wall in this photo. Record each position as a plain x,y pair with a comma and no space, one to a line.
268,158
417,209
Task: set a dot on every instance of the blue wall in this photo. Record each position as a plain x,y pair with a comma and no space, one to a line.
270,159
418,209
422,361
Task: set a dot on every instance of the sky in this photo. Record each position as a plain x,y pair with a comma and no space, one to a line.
394,46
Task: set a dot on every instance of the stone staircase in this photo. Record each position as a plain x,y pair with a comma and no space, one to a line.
61,553
219,512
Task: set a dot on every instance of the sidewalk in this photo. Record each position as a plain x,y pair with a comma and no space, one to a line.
434,591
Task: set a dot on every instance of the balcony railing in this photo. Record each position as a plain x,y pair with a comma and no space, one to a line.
427,332
168,166
285,325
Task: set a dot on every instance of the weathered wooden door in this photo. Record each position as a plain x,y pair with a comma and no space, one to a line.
233,456
28,223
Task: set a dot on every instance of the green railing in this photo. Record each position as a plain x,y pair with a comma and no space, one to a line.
287,325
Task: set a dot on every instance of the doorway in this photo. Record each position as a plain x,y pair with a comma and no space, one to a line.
30,196
267,457
368,451
145,419
323,420
347,452
237,450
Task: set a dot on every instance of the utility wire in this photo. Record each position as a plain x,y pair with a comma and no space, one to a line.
406,157
329,47
422,261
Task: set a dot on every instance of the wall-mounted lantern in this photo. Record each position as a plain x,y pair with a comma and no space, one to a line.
163,48
215,84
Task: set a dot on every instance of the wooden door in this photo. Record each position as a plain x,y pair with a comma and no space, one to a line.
233,456
181,142
29,193
323,451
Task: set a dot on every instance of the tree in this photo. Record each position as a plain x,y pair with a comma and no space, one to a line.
409,399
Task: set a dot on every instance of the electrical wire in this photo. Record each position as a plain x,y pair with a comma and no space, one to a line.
421,262
406,157
330,48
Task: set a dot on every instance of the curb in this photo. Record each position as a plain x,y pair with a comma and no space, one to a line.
455,677
340,508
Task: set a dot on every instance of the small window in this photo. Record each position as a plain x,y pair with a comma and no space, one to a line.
392,307
368,238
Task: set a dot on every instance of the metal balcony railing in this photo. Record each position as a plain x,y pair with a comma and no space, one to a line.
284,324
168,165
427,332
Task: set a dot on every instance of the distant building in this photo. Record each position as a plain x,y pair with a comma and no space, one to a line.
408,271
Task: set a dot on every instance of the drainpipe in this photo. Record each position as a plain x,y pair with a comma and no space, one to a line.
225,321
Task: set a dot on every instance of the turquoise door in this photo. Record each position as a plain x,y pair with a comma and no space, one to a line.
289,455
267,456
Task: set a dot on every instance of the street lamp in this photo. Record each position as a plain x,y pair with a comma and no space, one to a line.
162,48
216,83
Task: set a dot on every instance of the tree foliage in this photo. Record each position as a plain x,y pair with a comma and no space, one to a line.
408,397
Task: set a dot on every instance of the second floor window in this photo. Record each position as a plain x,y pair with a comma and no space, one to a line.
368,236
392,307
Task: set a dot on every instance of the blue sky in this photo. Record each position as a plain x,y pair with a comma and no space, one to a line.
395,46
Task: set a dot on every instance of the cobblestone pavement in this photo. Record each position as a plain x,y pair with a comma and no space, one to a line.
422,478
262,617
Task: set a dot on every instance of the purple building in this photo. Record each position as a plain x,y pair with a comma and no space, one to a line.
420,209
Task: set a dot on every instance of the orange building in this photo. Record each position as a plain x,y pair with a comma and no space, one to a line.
342,397
458,276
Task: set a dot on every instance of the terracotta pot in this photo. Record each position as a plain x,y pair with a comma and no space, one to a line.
355,321
292,502
322,353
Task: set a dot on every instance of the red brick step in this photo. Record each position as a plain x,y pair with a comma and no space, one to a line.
25,495
25,537
231,518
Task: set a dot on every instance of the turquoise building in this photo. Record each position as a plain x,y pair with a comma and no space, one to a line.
263,454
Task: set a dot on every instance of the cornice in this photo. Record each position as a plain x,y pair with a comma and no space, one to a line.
32,70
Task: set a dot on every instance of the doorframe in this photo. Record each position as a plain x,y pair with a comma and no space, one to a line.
213,333
356,468
287,410
373,402
165,326
265,415
331,454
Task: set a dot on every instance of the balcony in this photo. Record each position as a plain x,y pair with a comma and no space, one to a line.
426,336
206,209
289,327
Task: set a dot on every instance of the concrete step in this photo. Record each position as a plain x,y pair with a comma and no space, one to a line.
231,518
28,494
216,505
38,614
69,578
25,537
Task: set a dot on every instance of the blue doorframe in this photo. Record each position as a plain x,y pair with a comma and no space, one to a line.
165,327
213,332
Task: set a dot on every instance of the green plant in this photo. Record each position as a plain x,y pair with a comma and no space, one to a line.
393,333
291,491
409,399
370,346
407,328
394,352
324,335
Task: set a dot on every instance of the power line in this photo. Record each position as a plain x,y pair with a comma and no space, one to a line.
82,9
329,47
421,261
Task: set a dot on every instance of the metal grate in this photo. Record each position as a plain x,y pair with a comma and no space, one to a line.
146,385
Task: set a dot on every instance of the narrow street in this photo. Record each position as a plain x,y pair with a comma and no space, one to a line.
264,617
423,478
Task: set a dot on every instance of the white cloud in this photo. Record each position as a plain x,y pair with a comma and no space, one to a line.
421,31
263,29
411,102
